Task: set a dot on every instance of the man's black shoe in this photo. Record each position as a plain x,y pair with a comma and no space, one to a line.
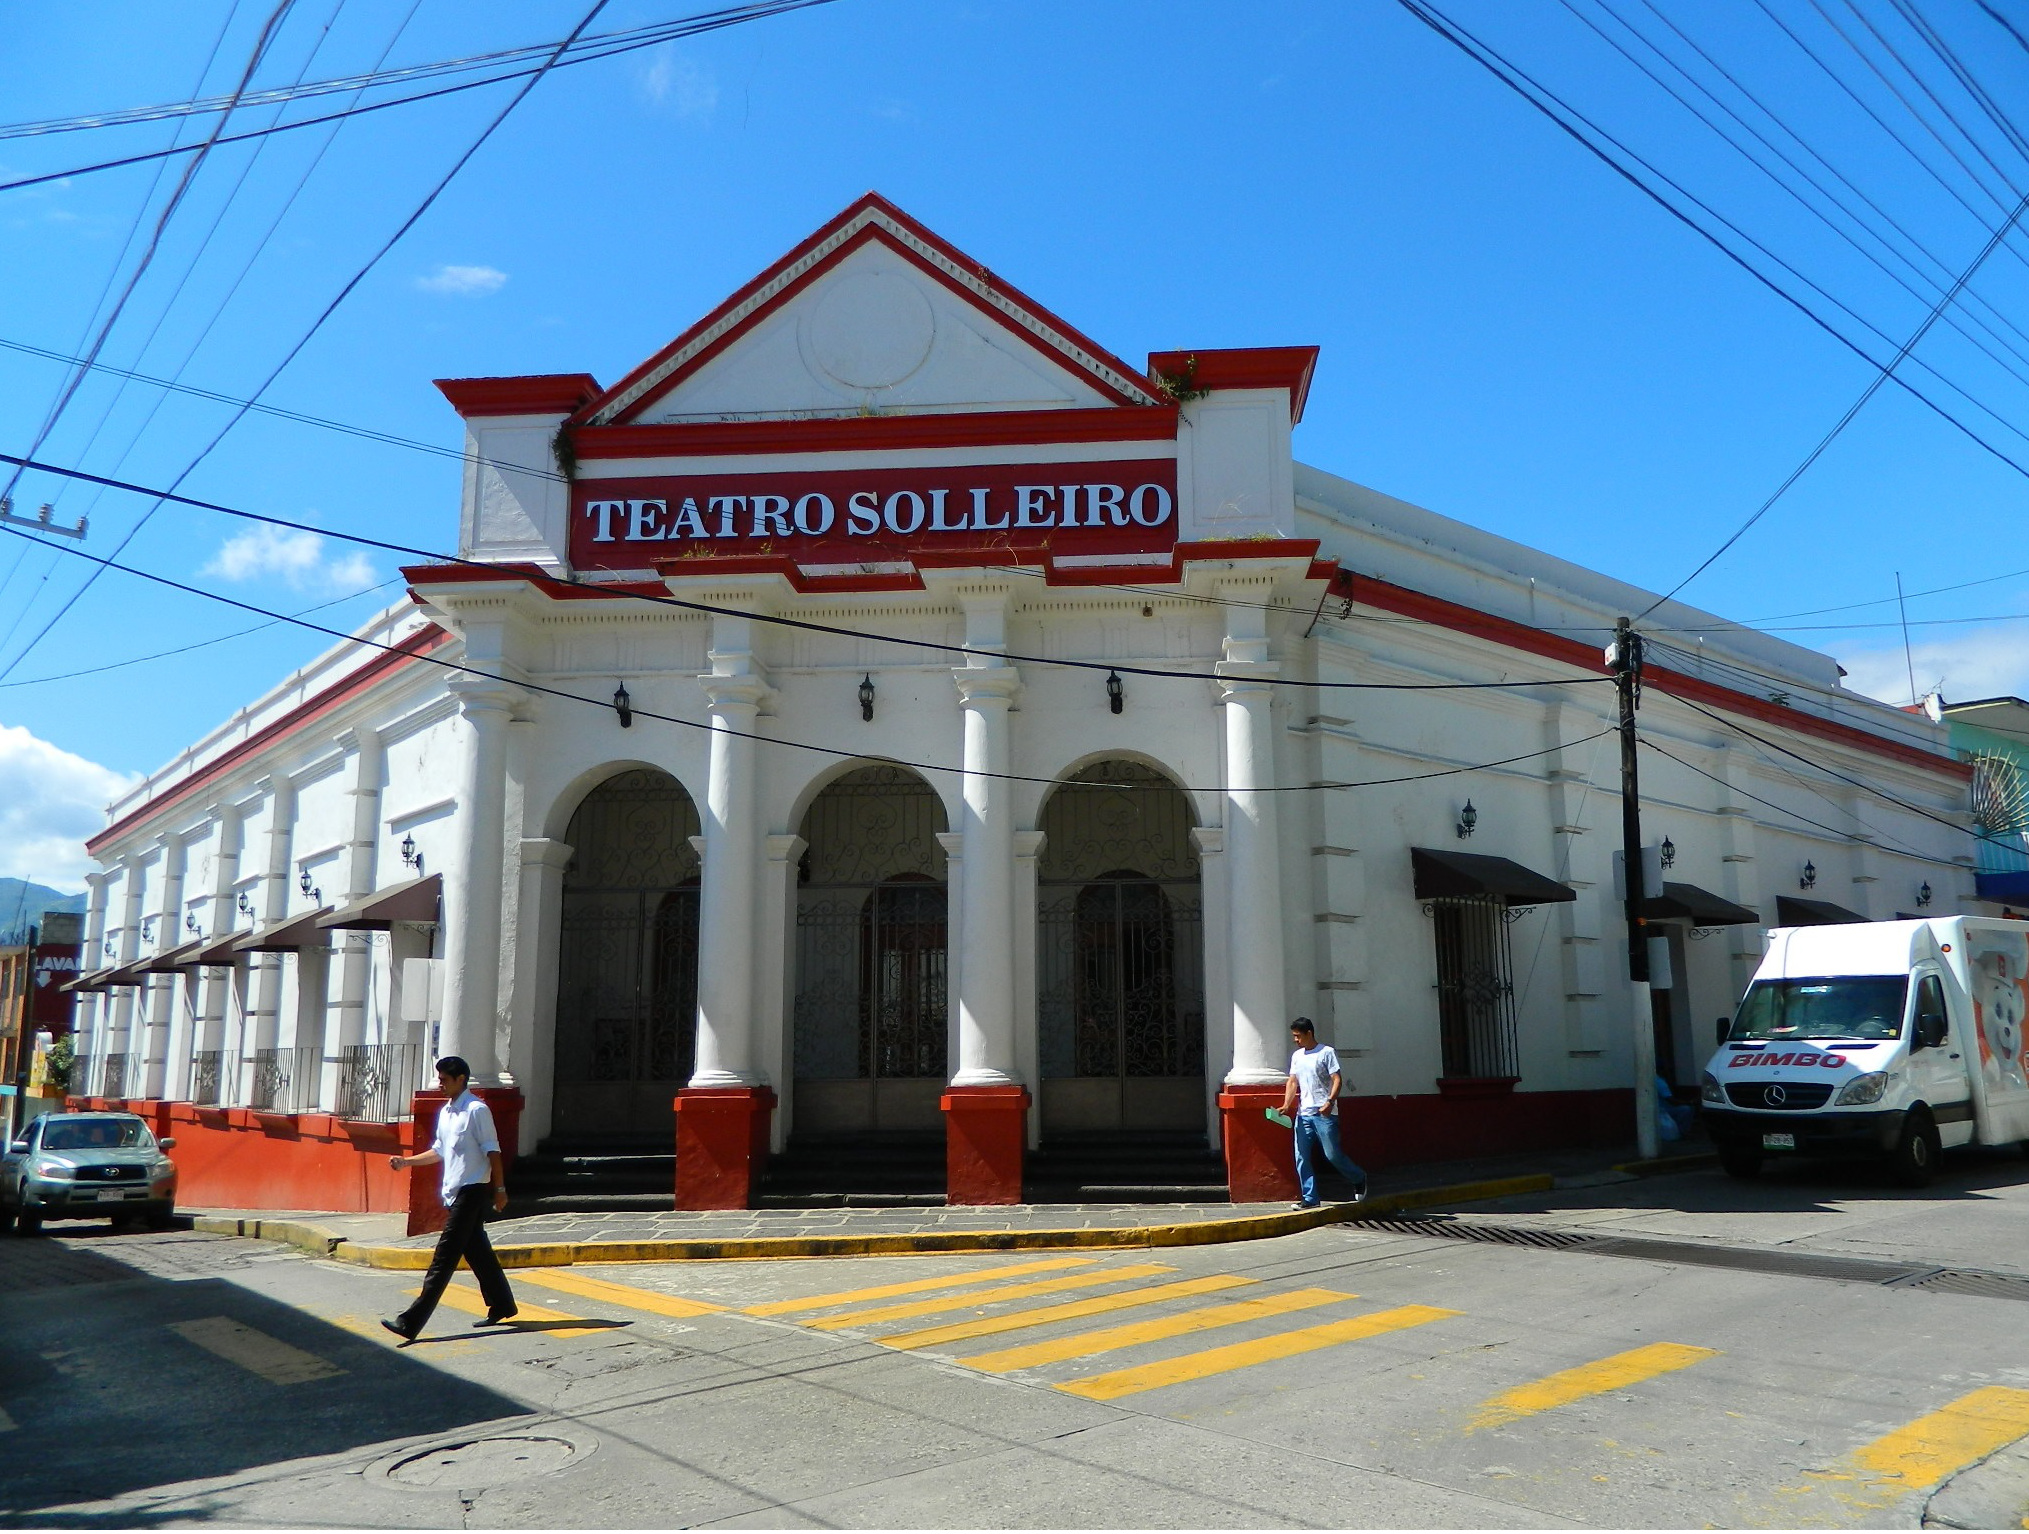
399,1330
495,1317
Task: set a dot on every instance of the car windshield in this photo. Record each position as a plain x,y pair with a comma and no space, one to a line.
1859,1007
95,1134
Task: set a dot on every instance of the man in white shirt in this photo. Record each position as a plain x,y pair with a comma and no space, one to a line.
1313,1095
468,1148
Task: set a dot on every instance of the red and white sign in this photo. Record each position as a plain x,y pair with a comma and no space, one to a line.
861,516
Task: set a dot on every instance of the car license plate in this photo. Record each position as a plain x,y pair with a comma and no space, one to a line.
1778,1142
121,1193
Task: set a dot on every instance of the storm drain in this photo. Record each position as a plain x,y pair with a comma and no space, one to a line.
1785,1264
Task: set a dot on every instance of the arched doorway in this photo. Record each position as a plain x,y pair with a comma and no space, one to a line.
871,1045
627,967
1120,993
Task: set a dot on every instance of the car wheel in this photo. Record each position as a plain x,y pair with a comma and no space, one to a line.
28,1224
162,1217
1917,1152
1740,1161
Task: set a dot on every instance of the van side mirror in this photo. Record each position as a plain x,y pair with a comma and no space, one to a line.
1725,1027
1930,1030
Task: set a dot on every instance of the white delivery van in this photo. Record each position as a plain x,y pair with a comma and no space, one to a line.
1891,1038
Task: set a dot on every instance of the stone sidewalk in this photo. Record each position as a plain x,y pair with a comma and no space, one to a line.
381,1240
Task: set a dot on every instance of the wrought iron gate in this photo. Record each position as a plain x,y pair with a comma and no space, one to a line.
872,1014
1475,987
627,967
1120,954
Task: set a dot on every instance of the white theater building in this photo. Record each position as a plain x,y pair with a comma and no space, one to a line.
886,711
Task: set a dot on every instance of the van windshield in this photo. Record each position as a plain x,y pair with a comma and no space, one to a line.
1864,1007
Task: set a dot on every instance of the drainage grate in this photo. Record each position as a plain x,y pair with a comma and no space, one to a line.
1785,1264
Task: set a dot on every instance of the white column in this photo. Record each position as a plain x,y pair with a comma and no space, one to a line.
725,981
539,915
986,1043
92,1014
1028,850
1215,933
264,1007
354,959
776,944
216,980
472,885
121,1039
1253,847
162,989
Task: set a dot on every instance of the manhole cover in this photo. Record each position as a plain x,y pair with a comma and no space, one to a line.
484,1461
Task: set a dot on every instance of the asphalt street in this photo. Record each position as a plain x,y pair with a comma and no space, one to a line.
1342,1377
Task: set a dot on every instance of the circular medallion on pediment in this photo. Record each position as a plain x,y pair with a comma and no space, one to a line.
870,330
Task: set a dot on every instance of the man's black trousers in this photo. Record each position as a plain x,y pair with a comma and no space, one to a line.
464,1235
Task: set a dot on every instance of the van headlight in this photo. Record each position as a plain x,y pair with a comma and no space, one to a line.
1862,1090
1708,1089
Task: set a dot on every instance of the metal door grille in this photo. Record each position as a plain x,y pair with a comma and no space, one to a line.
1475,988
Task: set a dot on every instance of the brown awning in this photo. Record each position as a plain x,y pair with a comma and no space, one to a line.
133,972
1793,911
412,900
94,981
219,950
175,959
287,935
1462,875
1699,907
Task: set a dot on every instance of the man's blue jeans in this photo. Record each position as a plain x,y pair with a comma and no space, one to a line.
1318,1134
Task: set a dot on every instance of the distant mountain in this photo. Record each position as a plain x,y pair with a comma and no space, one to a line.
22,905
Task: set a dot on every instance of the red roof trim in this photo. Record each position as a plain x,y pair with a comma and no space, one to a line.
1250,367
1516,636
536,394
1122,423
870,202
422,642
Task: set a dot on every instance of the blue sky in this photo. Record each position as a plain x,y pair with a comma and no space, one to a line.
1511,334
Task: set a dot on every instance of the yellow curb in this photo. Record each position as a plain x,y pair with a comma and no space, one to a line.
1188,1233
1659,1166
296,1233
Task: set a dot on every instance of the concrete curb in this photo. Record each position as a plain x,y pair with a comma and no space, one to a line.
314,1239
1992,1494
559,1254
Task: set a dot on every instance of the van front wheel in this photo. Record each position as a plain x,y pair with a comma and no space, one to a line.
1914,1160
1740,1161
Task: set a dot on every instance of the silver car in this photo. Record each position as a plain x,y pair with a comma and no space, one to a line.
86,1166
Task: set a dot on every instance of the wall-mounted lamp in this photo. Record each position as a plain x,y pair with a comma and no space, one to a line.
1923,894
316,895
623,706
147,929
867,696
190,923
1667,853
410,857
1809,880
246,904
1116,694
1467,819
107,945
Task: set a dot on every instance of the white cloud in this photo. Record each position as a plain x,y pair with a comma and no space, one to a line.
296,556
50,801
465,281
673,81
1977,663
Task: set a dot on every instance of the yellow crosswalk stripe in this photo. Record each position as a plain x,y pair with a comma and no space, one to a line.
1071,1310
1947,1440
586,1287
271,1358
915,1286
1596,1378
984,1297
1244,1355
472,1303
1113,1338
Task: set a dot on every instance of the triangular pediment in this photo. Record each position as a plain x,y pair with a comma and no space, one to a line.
871,315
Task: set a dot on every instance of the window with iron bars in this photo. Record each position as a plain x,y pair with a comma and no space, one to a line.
1475,988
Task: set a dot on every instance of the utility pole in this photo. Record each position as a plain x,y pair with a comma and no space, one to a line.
1624,659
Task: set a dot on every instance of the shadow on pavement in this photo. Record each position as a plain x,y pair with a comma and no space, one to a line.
107,1398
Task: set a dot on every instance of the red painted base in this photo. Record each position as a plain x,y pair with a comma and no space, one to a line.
721,1145
1260,1155
426,1195
985,1135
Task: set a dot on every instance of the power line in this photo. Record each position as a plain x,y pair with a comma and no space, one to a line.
605,705
806,625
688,27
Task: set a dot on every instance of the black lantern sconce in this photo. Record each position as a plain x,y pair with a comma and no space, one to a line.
246,904
410,857
623,706
1468,818
1116,694
1667,853
867,696
1809,880
316,895
147,929
107,945
190,925
1923,893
